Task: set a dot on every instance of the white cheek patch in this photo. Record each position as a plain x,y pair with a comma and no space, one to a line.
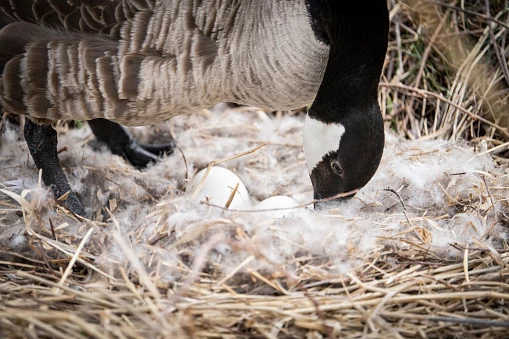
319,140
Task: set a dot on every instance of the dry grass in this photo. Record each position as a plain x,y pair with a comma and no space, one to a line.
446,76
400,290
447,73
418,297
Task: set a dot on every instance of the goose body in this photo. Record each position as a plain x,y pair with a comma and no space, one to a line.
170,57
137,62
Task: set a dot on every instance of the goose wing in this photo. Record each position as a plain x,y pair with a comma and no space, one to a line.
155,58
91,16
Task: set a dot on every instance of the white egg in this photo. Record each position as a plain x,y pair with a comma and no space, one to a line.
276,202
218,187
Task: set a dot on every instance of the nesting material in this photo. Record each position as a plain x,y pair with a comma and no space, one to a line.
420,245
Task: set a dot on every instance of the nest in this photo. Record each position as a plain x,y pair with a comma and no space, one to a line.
421,252
416,298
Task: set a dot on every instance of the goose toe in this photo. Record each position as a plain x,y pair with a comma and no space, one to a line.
138,155
74,205
160,150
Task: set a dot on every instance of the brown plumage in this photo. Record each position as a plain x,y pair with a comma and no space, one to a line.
137,62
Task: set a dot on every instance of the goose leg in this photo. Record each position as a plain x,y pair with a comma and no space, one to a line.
121,143
42,144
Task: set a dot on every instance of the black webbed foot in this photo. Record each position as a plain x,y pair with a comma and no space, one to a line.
121,143
42,144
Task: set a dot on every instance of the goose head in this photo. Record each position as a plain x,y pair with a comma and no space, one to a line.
343,132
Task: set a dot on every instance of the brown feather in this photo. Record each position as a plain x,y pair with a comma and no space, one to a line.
12,94
156,58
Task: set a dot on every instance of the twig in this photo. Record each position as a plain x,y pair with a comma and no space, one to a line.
314,201
470,321
486,17
402,204
157,238
73,260
52,229
465,265
185,161
232,195
489,194
425,93
500,58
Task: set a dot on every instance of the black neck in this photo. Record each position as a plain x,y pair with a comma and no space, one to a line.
357,35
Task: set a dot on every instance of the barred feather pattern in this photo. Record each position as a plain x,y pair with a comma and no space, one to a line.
137,62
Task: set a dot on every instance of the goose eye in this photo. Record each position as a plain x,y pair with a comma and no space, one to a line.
336,167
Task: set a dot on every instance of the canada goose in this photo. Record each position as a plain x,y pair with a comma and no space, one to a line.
137,62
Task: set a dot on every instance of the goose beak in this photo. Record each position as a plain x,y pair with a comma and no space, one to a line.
321,204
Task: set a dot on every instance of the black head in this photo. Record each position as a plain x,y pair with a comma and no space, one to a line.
354,161
344,137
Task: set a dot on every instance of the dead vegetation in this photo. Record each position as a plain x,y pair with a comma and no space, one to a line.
445,77
447,73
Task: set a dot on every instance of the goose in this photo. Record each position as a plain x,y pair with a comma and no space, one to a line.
139,62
